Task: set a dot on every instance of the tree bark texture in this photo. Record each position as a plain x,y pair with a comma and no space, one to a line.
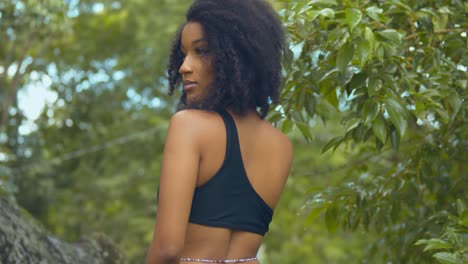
24,240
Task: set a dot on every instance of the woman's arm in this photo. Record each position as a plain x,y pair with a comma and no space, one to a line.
177,183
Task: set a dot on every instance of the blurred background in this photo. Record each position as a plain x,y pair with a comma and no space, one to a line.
374,101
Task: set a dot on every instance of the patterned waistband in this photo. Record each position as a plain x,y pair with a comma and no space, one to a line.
218,260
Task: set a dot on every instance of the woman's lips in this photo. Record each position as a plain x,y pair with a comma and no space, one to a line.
189,86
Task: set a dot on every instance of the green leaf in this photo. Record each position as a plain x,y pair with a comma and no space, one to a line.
358,81
427,94
299,7
328,74
324,109
403,6
331,219
434,243
395,139
313,214
379,129
397,114
352,220
359,133
421,242
463,83
333,142
312,15
338,37
447,258
324,2
440,21
290,86
370,111
287,126
296,116
363,51
425,12
344,57
379,145
288,57
460,206
370,37
305,130
445,10
353,123
274,116
327,12
353,17
309,104
373,85
304,9
463,218
374,12
330,95
391,35
379,52
455,104
442,114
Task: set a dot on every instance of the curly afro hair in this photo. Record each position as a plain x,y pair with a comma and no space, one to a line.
247,42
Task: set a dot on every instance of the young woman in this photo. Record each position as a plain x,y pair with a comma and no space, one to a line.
224,167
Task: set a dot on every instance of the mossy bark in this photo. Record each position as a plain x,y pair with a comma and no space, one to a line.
24,240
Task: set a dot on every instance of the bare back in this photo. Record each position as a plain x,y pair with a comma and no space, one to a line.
266,155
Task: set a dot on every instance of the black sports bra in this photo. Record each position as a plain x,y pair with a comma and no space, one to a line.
228,199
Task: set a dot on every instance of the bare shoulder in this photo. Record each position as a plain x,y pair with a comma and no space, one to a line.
192,120
281,141
191,117
191,123
279,149
278,155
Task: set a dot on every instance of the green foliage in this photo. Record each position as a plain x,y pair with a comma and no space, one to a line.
387,78
294,236
27,30
92,163
452,239
397,72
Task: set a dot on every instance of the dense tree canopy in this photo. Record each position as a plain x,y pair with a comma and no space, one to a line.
374,98
396,70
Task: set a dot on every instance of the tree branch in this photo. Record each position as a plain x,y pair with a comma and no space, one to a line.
439,31
12,88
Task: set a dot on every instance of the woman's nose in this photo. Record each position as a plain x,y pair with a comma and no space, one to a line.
185,67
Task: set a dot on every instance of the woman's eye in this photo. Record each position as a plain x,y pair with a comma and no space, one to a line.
200,51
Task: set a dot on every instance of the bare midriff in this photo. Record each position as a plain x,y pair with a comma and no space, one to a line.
212,243
252,260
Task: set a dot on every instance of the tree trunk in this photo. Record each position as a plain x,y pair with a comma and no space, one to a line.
24,240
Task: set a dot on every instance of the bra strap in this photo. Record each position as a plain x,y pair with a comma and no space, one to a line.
230,131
